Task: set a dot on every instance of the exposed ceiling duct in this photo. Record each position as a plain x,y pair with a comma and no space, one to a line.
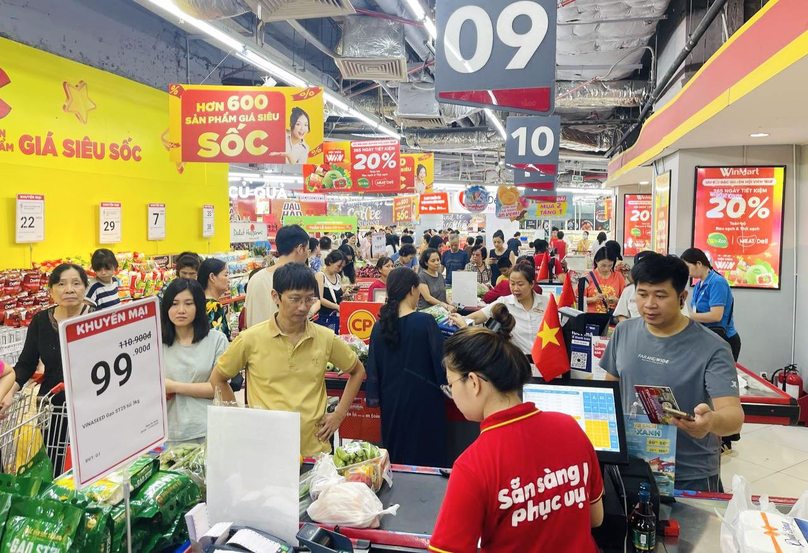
596,37
267,10
474,140
373,49
582,141
600,94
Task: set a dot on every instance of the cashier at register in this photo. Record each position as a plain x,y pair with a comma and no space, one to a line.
665,348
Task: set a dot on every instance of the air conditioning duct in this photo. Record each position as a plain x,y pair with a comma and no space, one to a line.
267,10
372,49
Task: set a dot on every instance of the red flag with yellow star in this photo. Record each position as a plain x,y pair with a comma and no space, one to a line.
544,270
549,353
567,298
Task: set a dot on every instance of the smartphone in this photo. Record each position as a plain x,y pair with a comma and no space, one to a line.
678,414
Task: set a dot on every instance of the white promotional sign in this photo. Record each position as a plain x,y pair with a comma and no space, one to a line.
157,222
116,401
207,221
378,241
110,221
248,232
30,222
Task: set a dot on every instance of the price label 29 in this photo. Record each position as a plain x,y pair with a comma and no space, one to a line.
110,221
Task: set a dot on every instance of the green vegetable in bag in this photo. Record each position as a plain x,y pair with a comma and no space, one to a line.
40,525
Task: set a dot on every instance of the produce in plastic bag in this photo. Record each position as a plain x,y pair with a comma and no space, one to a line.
349,504
187,459
354,459
747,529
324,475
438,313
358,346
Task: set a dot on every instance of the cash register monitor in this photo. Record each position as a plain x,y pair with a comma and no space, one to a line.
595,405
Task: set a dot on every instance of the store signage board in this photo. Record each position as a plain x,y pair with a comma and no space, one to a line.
30,222
535,182
110,217
248,231
114,385
436,203
208,221
738,221
358,318
226,124
157,222
325,224
418,173
511,44
404,208
531,145
637,223
661,213
358,166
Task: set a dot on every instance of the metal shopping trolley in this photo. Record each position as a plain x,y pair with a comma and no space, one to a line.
32,424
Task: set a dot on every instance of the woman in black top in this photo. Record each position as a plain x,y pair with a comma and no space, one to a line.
349,270
68,285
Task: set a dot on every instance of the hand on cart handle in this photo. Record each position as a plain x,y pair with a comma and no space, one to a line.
700,427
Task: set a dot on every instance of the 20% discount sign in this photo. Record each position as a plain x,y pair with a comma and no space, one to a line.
114,387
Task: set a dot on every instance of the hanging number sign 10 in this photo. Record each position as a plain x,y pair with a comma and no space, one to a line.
531,145
509,44
114,387
110,222
157,221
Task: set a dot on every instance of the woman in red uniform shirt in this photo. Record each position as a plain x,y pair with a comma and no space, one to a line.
531,481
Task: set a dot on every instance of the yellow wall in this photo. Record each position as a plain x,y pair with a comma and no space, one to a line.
68,101
72,212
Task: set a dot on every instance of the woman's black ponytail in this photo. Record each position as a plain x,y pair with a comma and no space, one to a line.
400,283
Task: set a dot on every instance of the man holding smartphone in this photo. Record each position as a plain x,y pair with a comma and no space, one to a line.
665,348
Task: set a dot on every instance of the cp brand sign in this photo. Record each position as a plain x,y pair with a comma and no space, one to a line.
360,323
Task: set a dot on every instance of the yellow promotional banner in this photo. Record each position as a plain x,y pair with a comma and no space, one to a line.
246,124
80,137
418,173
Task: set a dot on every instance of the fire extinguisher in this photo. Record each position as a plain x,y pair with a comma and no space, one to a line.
789,380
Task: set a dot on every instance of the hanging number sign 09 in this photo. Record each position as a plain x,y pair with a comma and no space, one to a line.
510,44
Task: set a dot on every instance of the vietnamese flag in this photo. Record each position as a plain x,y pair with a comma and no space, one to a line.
549,353
567,298
544,270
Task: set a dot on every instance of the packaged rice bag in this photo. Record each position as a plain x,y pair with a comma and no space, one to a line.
40,525
167,494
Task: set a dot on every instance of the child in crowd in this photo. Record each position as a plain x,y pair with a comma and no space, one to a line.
103,291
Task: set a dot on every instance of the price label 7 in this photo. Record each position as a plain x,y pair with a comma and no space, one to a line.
157,222
526,42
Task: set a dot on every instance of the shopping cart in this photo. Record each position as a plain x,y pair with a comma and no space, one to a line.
32,423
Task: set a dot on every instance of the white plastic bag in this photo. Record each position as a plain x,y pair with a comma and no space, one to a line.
324,475
350,504
747,529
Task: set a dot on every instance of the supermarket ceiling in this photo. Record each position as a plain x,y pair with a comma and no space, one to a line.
382,62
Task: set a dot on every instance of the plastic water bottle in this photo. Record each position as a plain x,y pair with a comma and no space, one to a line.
643,521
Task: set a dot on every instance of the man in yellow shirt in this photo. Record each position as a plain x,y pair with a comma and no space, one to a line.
286,358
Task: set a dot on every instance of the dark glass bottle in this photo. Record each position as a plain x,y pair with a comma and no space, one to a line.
643,521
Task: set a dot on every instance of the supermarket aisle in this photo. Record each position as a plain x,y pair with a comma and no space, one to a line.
773,458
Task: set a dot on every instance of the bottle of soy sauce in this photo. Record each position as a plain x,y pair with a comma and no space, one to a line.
643,521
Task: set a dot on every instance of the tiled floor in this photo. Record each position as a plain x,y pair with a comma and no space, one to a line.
774,459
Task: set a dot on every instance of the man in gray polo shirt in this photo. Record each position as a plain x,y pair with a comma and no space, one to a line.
665,348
